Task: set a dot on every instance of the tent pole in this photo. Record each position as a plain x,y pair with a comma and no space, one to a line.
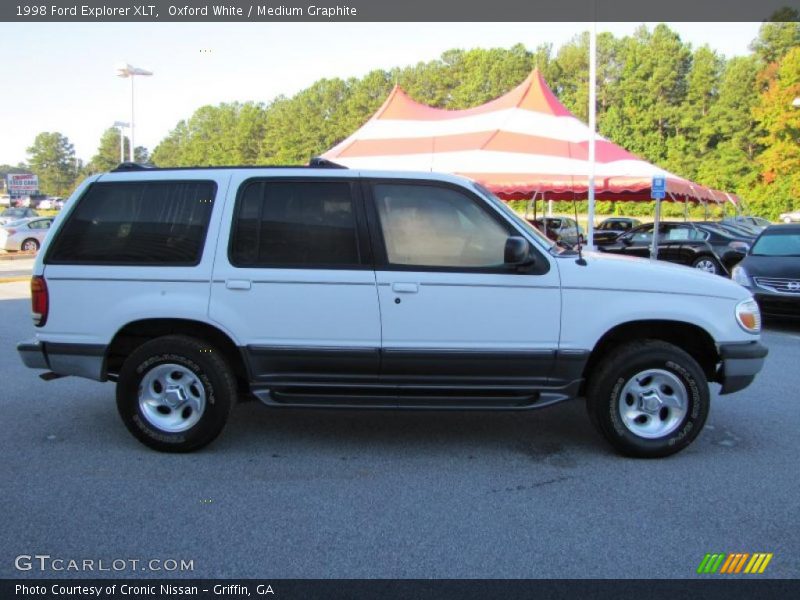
592,127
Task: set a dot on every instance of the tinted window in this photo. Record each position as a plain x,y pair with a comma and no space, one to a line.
291,223
644,234
438,227
156,222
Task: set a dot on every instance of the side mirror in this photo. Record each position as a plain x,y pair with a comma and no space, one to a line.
626,239
518,252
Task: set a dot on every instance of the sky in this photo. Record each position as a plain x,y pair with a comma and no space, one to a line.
61,77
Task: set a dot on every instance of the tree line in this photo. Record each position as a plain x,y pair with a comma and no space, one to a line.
725,123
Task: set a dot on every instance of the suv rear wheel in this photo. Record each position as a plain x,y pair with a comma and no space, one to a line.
174,393
648,399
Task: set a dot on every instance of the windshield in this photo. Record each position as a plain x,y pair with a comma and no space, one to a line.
13,212
777,244
495,201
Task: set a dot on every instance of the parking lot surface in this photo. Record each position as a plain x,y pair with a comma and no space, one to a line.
299,493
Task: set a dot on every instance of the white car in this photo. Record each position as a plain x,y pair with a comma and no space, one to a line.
26,235
324,287
16,213
790,217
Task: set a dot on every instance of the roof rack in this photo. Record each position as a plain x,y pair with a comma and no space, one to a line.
315,163
324,163
130,166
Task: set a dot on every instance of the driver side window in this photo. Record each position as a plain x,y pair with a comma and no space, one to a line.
432,226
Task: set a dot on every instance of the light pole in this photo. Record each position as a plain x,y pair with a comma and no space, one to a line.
121,125
126,70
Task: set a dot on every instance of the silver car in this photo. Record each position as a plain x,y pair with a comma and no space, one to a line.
790,217
26,235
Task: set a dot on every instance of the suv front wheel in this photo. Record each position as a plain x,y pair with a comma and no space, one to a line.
648,399
174,393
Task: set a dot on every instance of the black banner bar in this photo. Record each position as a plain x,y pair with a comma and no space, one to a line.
386,589
398,10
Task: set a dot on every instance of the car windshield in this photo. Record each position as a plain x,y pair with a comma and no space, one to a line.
777,244
13,212
495,201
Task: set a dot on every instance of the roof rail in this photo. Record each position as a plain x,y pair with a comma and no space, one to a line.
315,163
324,163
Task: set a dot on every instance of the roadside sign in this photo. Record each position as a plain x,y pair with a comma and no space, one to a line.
22,184
658,189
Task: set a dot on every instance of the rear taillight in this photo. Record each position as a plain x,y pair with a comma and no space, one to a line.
40,301
11,232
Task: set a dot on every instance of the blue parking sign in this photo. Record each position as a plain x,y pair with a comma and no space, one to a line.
658,188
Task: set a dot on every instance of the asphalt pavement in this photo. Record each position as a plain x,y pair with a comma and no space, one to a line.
15,266
299,493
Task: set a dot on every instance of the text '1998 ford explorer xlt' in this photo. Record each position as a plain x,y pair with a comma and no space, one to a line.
327,287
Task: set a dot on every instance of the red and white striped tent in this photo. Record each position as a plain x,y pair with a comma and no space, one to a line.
524,144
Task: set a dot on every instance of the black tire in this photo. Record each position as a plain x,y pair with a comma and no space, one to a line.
707,260
210,369
609,379
33,243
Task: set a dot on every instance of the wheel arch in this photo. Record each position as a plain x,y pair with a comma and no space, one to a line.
691,338
136,333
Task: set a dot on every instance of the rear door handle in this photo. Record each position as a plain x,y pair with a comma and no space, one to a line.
237,284
405,288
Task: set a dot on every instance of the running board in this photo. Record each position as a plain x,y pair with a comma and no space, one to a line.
410,398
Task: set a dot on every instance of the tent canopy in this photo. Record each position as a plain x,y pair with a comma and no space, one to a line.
521,144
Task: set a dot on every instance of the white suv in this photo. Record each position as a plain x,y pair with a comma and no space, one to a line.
327,287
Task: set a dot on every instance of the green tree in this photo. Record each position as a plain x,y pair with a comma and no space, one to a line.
777,36
52,158
779,162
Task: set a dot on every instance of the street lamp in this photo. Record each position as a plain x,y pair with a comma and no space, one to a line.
121,125
126,70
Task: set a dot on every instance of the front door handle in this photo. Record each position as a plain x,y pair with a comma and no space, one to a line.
237,284
405,288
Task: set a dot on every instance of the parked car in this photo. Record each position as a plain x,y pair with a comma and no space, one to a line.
26,235
44,204
739,229
610,228
758,223
790,217
680,242
15,214
771,271
730,245
326,287
560,229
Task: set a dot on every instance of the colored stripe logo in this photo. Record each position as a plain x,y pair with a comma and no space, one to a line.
735,562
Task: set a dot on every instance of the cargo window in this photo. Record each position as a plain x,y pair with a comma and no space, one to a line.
137,223
295,224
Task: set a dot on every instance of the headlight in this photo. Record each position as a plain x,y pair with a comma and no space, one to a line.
740,276
748,315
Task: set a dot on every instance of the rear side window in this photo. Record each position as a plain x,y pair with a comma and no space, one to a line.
295,224
147,223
